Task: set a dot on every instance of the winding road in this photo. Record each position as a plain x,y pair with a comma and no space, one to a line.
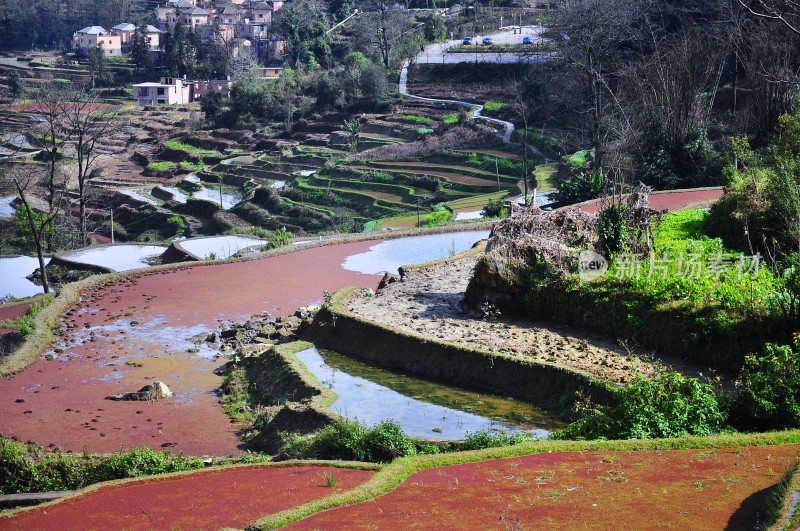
506,127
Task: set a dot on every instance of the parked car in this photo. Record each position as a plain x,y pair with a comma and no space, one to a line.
527,40
487,41
467,41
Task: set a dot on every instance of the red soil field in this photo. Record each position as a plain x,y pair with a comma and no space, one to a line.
672,200
687,489
129,334
204,500
14,310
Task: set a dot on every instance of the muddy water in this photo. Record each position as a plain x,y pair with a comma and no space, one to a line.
422,408
387,256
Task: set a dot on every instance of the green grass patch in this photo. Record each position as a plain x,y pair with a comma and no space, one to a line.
176,144
577,159
27,321
413,119
186,165
449,119
493,106
422,131
161,165
545,176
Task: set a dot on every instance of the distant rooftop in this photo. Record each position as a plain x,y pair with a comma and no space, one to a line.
93,30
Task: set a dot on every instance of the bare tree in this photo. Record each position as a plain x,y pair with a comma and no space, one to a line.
787,12
27,179
593,38
87,123
73,122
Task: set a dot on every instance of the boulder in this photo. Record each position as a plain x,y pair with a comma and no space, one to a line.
153,391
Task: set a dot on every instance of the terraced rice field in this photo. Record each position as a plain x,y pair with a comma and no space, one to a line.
451,177
684,489
209,499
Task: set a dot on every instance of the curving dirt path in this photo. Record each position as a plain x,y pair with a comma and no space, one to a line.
683,489
211,499
126,335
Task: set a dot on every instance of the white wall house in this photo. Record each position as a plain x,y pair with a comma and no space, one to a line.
170,91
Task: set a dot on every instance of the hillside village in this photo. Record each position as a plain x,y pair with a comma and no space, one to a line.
345,265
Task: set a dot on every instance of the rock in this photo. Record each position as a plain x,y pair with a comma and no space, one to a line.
154,391
387,279
306,312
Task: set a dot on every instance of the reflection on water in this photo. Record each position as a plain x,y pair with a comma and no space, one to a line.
117,257
12,276
370,395
219,247
228,200
139,194
177,194
6,210
389,255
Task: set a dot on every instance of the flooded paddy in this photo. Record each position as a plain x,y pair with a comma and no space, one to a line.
219,247
422,408
12,276
117,257
6,208
389,255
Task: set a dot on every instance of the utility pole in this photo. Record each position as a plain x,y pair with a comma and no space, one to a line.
417,211
112,225
497,173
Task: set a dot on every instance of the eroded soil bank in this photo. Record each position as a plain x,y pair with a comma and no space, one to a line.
427,303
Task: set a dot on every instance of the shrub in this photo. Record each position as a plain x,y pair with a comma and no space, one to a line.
26,321
178,225
580,186
28,468
492,439
349,440
669,405
769,389
495,209
612,228
279,238
439,216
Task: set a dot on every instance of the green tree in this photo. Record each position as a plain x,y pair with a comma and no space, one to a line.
16,86
211,104
304,26
140,52
98,67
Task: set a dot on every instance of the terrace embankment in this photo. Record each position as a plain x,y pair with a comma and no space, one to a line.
419,326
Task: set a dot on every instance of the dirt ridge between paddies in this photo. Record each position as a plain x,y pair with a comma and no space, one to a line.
47,320
545,384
